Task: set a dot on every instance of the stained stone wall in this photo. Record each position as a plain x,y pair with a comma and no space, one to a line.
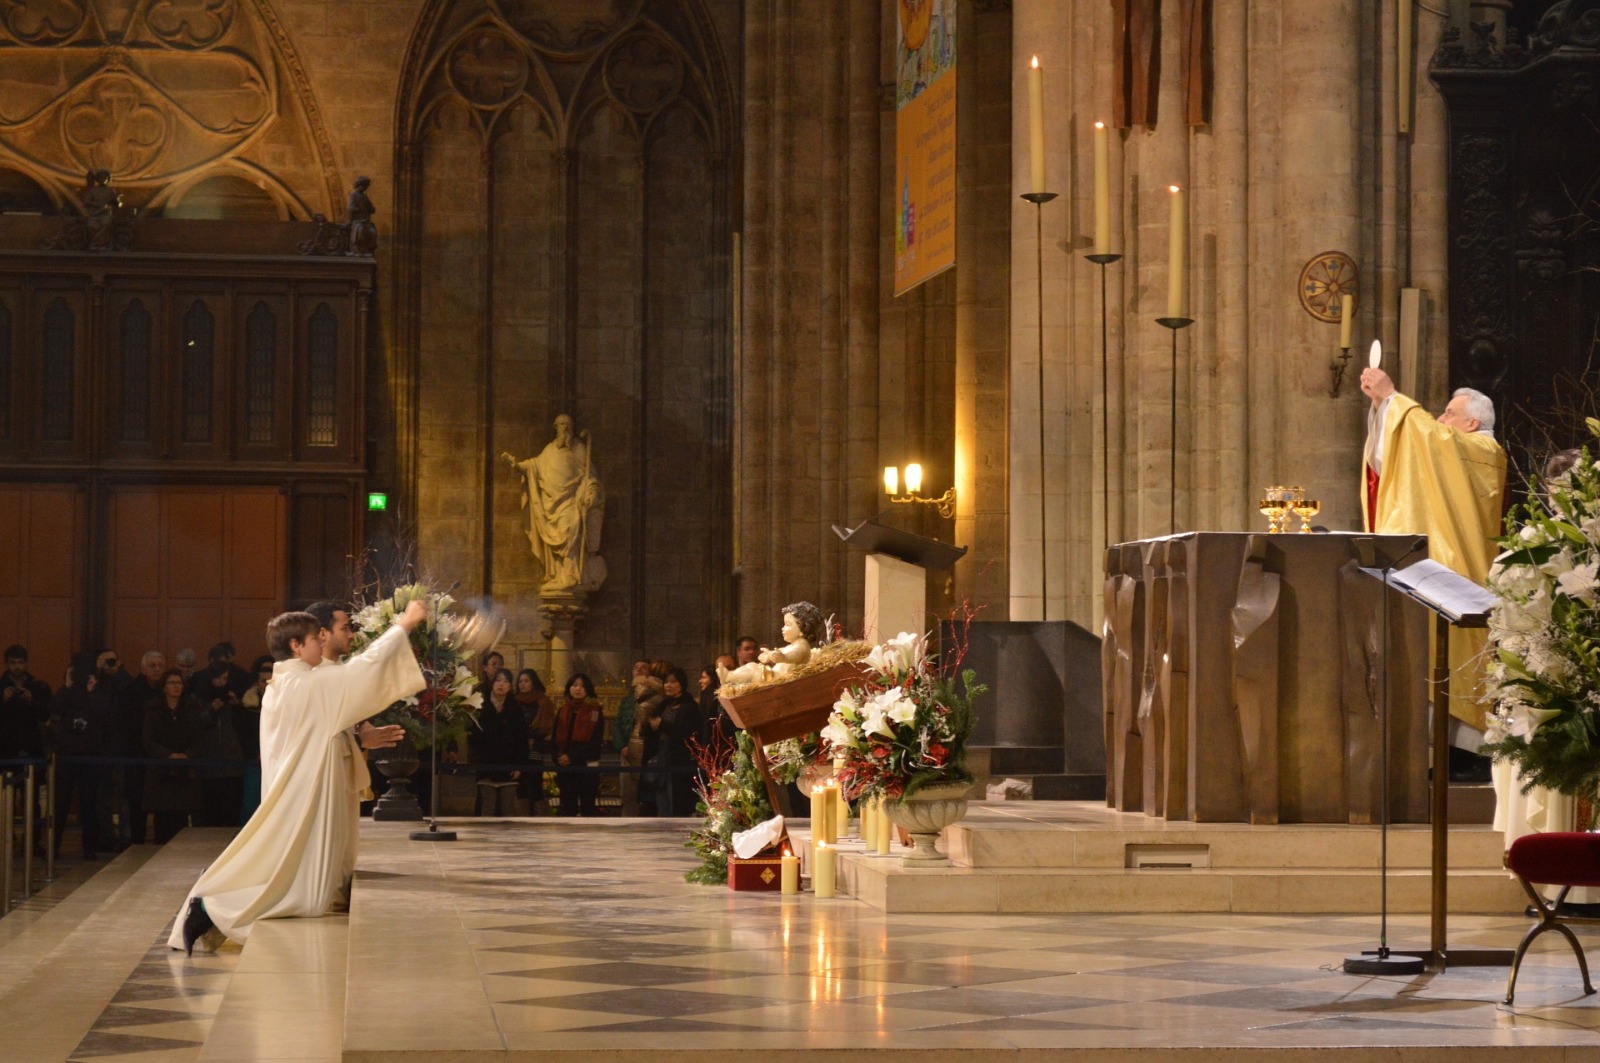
1301,156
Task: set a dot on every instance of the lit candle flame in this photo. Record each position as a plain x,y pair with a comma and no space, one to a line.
1036,62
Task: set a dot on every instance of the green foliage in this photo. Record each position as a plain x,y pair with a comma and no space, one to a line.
734,801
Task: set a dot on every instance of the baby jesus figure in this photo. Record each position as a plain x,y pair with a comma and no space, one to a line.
803,628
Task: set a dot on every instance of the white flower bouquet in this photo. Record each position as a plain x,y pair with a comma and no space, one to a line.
903,727
449,705
1544,636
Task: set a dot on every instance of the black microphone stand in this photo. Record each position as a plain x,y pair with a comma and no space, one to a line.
1381,960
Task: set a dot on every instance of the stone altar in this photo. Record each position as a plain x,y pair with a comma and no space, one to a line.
1244,674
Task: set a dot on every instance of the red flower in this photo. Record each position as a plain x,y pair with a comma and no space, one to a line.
937,753
880,751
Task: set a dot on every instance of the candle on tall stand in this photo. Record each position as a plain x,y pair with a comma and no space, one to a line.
1103,257
1177,253
1177,304
1102,189
1039,197
1036,127
1347,315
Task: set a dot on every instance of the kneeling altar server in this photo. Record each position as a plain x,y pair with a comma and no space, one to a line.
290,859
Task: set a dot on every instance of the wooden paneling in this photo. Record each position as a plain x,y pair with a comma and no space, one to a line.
195,566
42,573
177,543
324,524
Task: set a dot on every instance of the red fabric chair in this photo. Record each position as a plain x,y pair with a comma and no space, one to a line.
1564,859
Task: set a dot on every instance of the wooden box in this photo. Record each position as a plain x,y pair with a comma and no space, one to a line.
759,873
777,711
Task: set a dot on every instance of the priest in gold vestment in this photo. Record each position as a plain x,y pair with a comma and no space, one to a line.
1444,478
293,857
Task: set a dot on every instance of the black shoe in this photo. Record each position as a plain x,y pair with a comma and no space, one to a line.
195,924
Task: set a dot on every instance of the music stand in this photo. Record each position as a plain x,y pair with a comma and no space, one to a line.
1454,601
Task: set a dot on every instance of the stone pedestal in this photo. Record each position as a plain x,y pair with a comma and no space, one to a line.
896,597
562,610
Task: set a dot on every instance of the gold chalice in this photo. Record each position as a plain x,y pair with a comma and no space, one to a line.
1305,509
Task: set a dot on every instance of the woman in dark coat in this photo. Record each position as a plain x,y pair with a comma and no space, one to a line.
580,730
679,722
175,728
501,738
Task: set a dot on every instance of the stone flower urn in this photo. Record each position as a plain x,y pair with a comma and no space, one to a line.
397,763
924,814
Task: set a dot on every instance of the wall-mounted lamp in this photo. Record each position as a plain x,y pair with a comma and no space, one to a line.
945,503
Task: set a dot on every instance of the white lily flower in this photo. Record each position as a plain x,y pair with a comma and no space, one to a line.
1525,720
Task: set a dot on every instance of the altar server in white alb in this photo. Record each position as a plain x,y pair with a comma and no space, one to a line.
291,858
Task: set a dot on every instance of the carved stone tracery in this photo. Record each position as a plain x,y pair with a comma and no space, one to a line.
164,94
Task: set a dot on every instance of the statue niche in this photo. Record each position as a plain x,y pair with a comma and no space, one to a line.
565,504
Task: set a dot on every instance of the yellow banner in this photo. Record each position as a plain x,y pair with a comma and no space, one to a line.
925,142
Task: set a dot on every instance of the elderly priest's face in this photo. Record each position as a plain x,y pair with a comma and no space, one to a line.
1455,415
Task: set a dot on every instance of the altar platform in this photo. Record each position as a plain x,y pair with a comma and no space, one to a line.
579,940
1080,856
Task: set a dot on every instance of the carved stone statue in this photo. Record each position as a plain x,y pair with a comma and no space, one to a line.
363,234
566,505
803,628
103,226
100,204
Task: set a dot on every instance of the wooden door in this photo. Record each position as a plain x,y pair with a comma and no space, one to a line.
42,574
193,566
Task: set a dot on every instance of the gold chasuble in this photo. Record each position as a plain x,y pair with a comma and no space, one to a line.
1446,484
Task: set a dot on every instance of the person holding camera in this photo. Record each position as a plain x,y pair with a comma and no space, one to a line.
81,722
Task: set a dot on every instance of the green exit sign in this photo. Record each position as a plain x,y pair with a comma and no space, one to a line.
377,502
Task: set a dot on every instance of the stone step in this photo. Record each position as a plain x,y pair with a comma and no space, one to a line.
984,844
75,975
1018,760
883,884
1065,787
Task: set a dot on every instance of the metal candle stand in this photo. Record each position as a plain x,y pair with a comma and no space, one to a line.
1173,324
1105,403
1039,199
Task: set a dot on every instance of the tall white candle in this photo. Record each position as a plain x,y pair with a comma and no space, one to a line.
1036,127
790,866
1177,254
1347,314
822,870
1102,189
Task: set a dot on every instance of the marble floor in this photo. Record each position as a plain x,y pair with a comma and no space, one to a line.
581,940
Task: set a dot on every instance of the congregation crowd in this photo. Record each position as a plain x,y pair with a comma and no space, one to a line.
659,724
110,728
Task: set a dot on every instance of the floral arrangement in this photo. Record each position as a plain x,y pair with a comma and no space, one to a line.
903,727
788,758
448,707
732,799
1544,635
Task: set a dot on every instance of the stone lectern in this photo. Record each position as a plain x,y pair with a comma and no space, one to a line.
898,563
1244,677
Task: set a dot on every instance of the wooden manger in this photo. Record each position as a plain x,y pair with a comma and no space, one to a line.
772,712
